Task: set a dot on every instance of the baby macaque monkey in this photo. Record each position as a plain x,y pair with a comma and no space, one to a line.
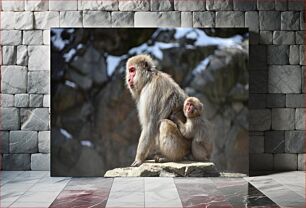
196,129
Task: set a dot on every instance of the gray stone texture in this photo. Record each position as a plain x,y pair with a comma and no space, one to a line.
256,144
261,162
162,5
45,20
251,21
46,101
14,79
257,101
295,100
97,19
22,55
229,19
6,20
285,79
4,141
11,37
157,19
276,100
283,118
283,37
294,54
39,82
186,19
302,55
37,5
6,100
301,161
302,20
222,5
269,20
71,19
32,37
245,5
297,5
40,161
63,5
36,120
24,20
281,5
44,141
285,162
36,100
299,119
259,57
260,120
294,141
195,5
21,100
278,54
23,142
134,5
290,21
10,119
39,58
46,37
16,162
203,19
122,19
265,5
9,55
98,5
274,141
299,37
259,82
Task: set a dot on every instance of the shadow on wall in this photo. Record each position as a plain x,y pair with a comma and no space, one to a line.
94,119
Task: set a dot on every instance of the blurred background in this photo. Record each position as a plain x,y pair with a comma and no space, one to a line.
94,119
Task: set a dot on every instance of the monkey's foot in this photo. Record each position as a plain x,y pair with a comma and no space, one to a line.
136,163
159,159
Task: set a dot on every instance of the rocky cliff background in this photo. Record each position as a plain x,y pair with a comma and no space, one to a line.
94,119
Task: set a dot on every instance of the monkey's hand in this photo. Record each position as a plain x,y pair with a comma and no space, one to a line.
136,163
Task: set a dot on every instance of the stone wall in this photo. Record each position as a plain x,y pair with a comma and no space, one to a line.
276,68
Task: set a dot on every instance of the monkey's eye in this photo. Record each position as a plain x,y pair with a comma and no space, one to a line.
132,69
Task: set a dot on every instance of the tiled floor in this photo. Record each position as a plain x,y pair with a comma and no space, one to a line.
38,189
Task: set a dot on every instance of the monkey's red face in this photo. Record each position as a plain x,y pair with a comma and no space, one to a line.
193,107
189,107
131,76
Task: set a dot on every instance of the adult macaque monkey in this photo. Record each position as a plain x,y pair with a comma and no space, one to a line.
196,128
157,96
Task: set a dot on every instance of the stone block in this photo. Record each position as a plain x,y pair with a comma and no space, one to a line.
203,19
294,54
14,79
46,37
39,58
13,6
299,37
256,144
122,19
251,21
4,141
276,100
285,79
32,37
134,5
162,5
11,37
6,100
285,162
246,5
281,5
39,82
23,142
302,55
301,161
97,19
10,119
302,20
295,100
265,5
229,19
266,37
157,19
186,19
290,21
278,54
274,141
44,141
36,100
63,5
189,6
269,20
294,142
22,55
261,162
283,37
297,5
16,162
71,19
40,161
222,5
260,119
9,55
46,101
21,100
24,20
283,118
46,20
299,119
37,120
257,101
37,5
258,82
98,5
6,20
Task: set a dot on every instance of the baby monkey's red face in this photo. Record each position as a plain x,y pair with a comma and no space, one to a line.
193,107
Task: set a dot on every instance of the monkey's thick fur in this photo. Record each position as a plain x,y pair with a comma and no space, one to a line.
157,96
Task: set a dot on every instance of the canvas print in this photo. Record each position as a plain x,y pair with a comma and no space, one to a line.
126,97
